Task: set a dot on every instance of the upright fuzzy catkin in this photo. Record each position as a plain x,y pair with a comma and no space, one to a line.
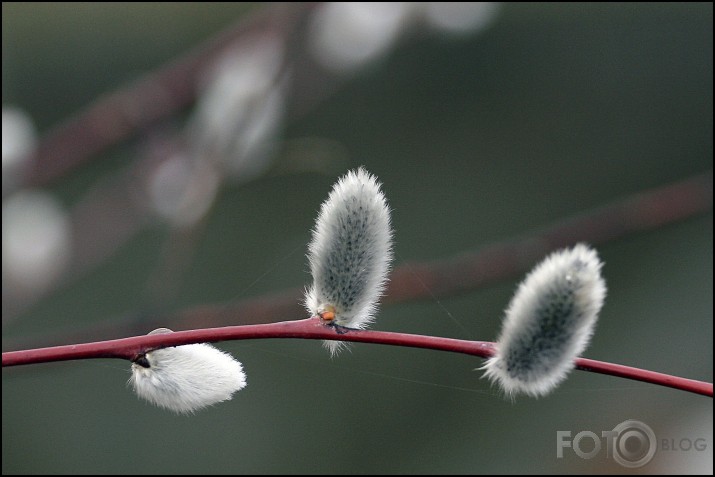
350,254
549,322
186,378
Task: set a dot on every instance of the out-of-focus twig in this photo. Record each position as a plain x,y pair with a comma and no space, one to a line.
644,211
158,95
117,207
493,263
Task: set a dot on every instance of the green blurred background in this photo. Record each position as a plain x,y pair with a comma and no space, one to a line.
552,110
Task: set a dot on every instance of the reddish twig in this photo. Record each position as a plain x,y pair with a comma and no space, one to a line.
499,261
465,272
314,328
601,367
492,263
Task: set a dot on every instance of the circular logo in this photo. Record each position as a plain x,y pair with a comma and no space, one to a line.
634,445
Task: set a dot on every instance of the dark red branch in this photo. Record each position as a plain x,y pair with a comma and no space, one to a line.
313,328
601,367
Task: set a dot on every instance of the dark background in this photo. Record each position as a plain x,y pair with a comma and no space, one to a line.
550,111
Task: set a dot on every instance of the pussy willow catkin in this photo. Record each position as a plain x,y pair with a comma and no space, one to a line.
549,322
350,253
186,378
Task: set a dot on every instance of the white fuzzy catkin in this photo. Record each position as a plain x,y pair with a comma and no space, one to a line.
350,253
549,322
187,378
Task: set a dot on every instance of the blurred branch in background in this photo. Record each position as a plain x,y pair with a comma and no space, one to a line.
343,37
500,131
174,180
645,211
246,81
158,95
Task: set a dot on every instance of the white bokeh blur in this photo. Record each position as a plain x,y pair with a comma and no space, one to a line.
459,17
181,190
19,139
240,109
345,35
36,242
